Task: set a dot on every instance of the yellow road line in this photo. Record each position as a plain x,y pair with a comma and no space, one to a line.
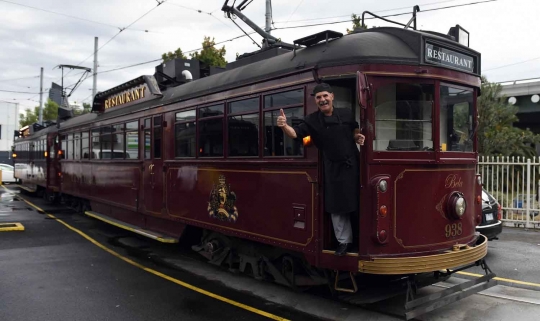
184,284
501,279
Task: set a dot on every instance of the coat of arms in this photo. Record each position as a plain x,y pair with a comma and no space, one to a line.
221,204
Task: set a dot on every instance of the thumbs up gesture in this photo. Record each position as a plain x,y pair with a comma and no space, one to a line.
282,119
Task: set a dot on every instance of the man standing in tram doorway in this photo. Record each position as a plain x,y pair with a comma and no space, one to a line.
335,132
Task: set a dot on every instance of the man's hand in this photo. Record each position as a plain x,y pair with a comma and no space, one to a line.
282,119
359,138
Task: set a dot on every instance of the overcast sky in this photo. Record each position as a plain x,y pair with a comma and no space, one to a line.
505,32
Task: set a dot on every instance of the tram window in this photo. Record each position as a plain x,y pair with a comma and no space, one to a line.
77,146
211,137
64,146
246,105
147,138
95,147
132,140
184,134
293,97
403,117
84,145
118,141
158,132
134,125
186,115
210,111
106,142
275,142
244,135
456,125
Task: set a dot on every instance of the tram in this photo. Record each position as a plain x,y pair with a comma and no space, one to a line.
180,152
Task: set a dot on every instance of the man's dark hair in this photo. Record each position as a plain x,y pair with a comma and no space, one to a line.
322,87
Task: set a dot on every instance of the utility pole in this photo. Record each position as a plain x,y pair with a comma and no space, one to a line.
40,120
268,27
94,87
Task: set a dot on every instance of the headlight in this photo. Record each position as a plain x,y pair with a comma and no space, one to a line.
456,206
383,186
460,206
479,180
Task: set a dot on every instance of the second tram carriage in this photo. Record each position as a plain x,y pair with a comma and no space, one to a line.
207,155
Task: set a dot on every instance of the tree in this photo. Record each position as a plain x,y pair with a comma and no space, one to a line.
87,108
173,55
50,112
496,133
357,23
209,54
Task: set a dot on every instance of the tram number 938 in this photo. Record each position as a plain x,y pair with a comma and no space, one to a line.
454,229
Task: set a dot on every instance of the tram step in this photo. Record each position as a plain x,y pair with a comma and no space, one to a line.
135,229
28,189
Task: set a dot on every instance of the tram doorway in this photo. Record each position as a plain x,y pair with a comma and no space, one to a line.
345,96
152,191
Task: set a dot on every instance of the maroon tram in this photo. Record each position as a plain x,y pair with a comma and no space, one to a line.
162,154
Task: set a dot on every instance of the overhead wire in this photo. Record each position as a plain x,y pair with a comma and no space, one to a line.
200,11
512,64
378,11
69,16
385,16
13,79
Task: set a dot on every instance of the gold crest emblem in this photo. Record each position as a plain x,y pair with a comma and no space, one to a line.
221,204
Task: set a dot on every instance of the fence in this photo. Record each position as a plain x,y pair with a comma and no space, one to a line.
514,182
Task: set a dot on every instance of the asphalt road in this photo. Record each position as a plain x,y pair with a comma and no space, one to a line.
49,272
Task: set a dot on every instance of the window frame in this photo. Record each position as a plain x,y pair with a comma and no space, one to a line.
264,110
180,122
226,151
202,119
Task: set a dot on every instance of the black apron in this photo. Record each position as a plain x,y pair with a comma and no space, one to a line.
341,166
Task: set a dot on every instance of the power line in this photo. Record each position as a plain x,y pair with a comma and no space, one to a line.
200,11
13,79
119,32
155,60
68,16
379,11
294,11
386,16
516,63
19,92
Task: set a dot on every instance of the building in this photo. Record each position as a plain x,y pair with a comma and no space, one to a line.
9,123
525,94
55,93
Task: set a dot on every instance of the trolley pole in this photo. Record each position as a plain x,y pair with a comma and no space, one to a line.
268,27
94,78
40,120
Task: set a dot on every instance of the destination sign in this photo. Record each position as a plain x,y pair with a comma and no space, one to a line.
130,93
439,55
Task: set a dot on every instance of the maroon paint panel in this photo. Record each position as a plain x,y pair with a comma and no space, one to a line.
274,206
418,216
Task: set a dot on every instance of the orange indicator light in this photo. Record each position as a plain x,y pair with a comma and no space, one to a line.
383,210
307,141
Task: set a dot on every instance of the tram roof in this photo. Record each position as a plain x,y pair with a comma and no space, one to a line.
384,45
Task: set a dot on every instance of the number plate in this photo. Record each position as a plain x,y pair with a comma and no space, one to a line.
489,217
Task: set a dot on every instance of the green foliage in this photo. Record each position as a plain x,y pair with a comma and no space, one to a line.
173,55
496,133
357,23
87,108
50,112
210,55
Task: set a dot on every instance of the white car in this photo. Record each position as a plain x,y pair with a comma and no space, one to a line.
7,173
